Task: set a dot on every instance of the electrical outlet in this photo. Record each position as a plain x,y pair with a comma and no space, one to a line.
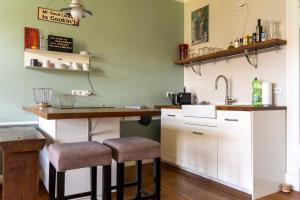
82,93
277,91
168,94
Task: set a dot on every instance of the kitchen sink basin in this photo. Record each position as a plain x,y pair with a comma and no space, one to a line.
200,111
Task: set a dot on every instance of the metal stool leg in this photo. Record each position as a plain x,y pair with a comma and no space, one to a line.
106,182
93,183
52,181
138,177
60,185
156,178
120,181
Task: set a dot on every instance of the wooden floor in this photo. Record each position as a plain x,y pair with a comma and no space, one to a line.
180,185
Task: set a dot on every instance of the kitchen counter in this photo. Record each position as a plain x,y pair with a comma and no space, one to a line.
85,113
231,107
249,108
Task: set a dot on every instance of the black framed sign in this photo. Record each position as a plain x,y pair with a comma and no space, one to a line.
61,44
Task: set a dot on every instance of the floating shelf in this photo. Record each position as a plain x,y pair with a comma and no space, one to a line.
59,70
57,54
240,51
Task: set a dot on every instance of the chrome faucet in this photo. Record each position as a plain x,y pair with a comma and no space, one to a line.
228,100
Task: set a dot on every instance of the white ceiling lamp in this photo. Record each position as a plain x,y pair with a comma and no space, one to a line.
77,10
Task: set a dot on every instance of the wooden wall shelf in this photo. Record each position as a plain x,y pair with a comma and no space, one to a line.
58,70
257,47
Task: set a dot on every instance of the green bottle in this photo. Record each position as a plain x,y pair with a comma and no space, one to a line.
256,92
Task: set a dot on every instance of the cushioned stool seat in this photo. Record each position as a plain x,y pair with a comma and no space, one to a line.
133,148
79,155
69,156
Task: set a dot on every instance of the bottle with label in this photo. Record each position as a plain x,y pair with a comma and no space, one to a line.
256,92
237,43
259,30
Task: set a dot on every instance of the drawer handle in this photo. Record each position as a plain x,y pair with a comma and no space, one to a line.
171,115
201,125
232,120
198,133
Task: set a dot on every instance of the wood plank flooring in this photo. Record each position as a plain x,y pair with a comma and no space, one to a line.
180,185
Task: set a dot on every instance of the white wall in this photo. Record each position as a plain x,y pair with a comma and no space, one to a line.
226,24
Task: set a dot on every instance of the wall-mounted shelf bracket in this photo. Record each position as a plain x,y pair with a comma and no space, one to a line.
252,58
193,65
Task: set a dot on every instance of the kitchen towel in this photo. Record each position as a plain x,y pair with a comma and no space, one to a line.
267,98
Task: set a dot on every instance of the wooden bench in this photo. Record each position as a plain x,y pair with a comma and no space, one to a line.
20,148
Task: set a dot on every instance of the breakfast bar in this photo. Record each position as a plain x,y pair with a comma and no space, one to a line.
78,125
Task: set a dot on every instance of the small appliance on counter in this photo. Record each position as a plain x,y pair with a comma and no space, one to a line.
182,98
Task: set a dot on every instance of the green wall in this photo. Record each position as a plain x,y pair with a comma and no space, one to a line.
134,41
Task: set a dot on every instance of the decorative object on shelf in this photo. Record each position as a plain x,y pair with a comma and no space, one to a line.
34,63
85,67
85,53
60,44
200,25
184,51
43,96
56,16
77,10
31,38
76,66
47,64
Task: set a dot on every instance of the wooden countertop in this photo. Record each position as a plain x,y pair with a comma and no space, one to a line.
168,107
249,108
231,108
85,113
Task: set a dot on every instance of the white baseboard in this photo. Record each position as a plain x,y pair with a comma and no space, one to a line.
26,123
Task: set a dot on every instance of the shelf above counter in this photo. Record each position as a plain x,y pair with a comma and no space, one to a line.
240,51
59,70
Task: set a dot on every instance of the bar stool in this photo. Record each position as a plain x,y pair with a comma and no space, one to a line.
71,156
135,149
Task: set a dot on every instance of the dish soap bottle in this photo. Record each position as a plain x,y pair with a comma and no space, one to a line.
256,92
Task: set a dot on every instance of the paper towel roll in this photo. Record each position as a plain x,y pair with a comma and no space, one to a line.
267,97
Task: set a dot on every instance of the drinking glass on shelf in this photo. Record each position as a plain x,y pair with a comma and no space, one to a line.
192,53
274,29
266,25
205,50
277,33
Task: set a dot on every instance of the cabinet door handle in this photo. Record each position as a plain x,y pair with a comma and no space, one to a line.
198,133
231,120
171,115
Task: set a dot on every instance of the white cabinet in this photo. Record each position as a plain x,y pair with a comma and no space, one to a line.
235,148
190,143
202,146
241,149
173,144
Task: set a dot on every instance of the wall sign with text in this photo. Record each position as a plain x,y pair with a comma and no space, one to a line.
61,44
56,16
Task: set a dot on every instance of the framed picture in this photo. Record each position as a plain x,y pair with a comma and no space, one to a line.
200,25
